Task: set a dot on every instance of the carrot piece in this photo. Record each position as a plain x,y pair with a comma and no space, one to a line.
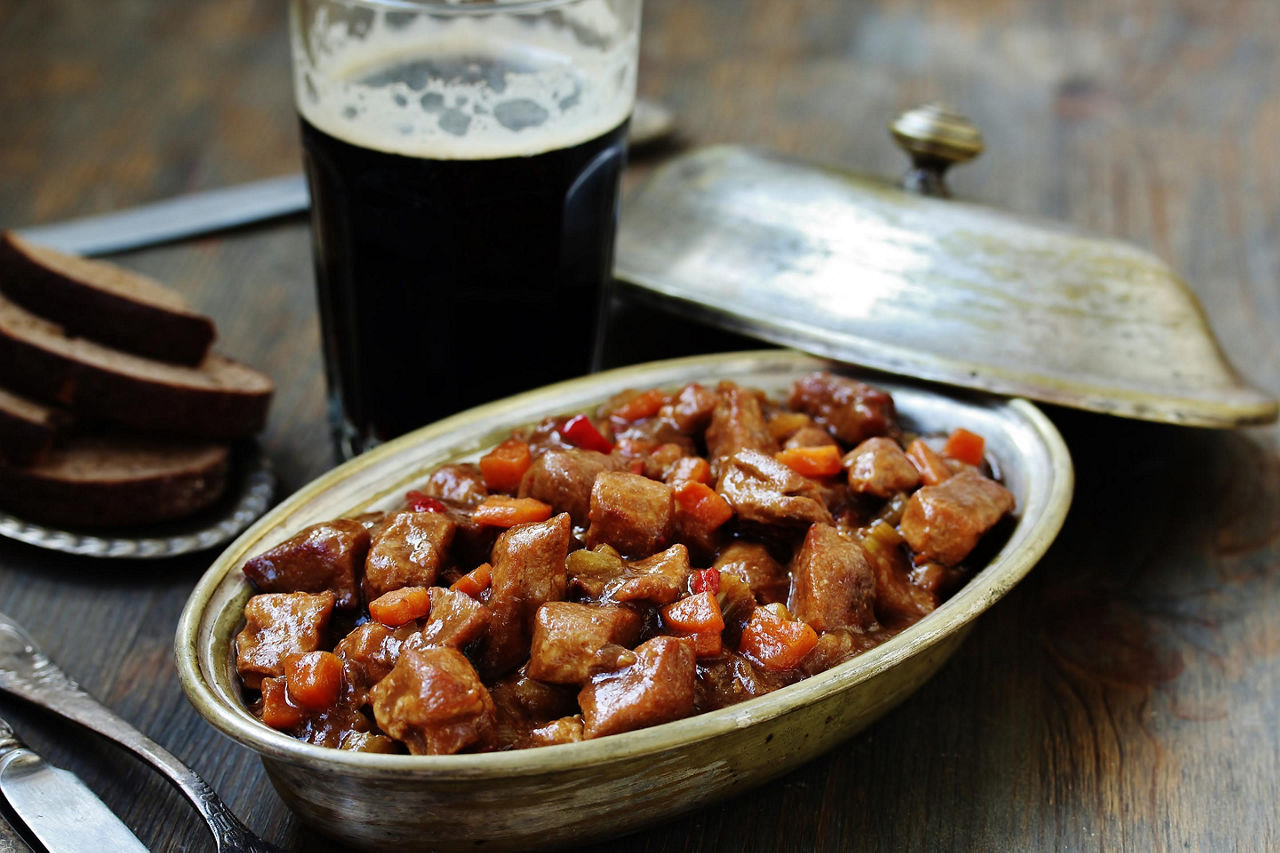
277,711
706,644
932,467
690,468
966,446
313,680
474,582
399,606
777,643
504,466
642,405
499,511
811,461
695,614
703,503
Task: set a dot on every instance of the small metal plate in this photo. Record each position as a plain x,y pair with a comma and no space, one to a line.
250,487
854,269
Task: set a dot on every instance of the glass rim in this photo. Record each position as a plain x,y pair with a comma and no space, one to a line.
442,7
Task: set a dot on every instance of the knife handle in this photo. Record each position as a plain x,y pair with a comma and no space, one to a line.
26,672
10,840
9,744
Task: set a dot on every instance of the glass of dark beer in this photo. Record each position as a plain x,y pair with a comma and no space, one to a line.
463,160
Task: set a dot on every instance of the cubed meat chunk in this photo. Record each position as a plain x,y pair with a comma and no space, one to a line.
332,726
762,489
942,523
752,563
563,730
408,549
472,542
461,484
630,512
658,688
368,653
528,571
648,434
534,699
525,702
564,478
936,579
572,642
358,741
880,467
836,647
325,556
277,625
659,579
662,460
434,702
899,602
456,620
810,436
738,423
691,408
832,585
851,410
732,678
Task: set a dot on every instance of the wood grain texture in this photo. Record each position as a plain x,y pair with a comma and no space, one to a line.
1123,697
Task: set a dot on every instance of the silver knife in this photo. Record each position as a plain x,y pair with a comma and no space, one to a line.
172,219
230,207
59,810
10,840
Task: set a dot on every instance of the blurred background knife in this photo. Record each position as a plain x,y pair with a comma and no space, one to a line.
58,809
175,218
231,207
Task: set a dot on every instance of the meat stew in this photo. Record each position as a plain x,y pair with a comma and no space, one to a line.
670,553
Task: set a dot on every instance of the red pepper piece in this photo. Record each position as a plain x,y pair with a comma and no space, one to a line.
418,502
706,580
581,432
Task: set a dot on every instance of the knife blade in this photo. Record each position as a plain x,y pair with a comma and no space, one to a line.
208,211
60,811
174,218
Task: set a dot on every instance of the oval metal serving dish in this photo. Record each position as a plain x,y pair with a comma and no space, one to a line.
576,792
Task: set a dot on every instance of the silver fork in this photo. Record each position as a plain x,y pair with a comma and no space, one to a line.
26,672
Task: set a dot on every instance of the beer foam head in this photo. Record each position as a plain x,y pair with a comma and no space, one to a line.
468,85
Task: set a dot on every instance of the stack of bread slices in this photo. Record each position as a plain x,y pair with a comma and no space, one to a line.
113,410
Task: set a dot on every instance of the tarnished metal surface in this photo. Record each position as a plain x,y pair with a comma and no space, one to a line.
854,269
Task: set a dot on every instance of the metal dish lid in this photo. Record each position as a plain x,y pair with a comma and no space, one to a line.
857,269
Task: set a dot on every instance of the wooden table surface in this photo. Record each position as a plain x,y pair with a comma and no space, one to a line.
1125,695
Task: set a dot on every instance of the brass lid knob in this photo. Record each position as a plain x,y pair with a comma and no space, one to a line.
936,137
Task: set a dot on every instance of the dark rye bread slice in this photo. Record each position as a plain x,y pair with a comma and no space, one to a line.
116,480
27,428
103,302
219,398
